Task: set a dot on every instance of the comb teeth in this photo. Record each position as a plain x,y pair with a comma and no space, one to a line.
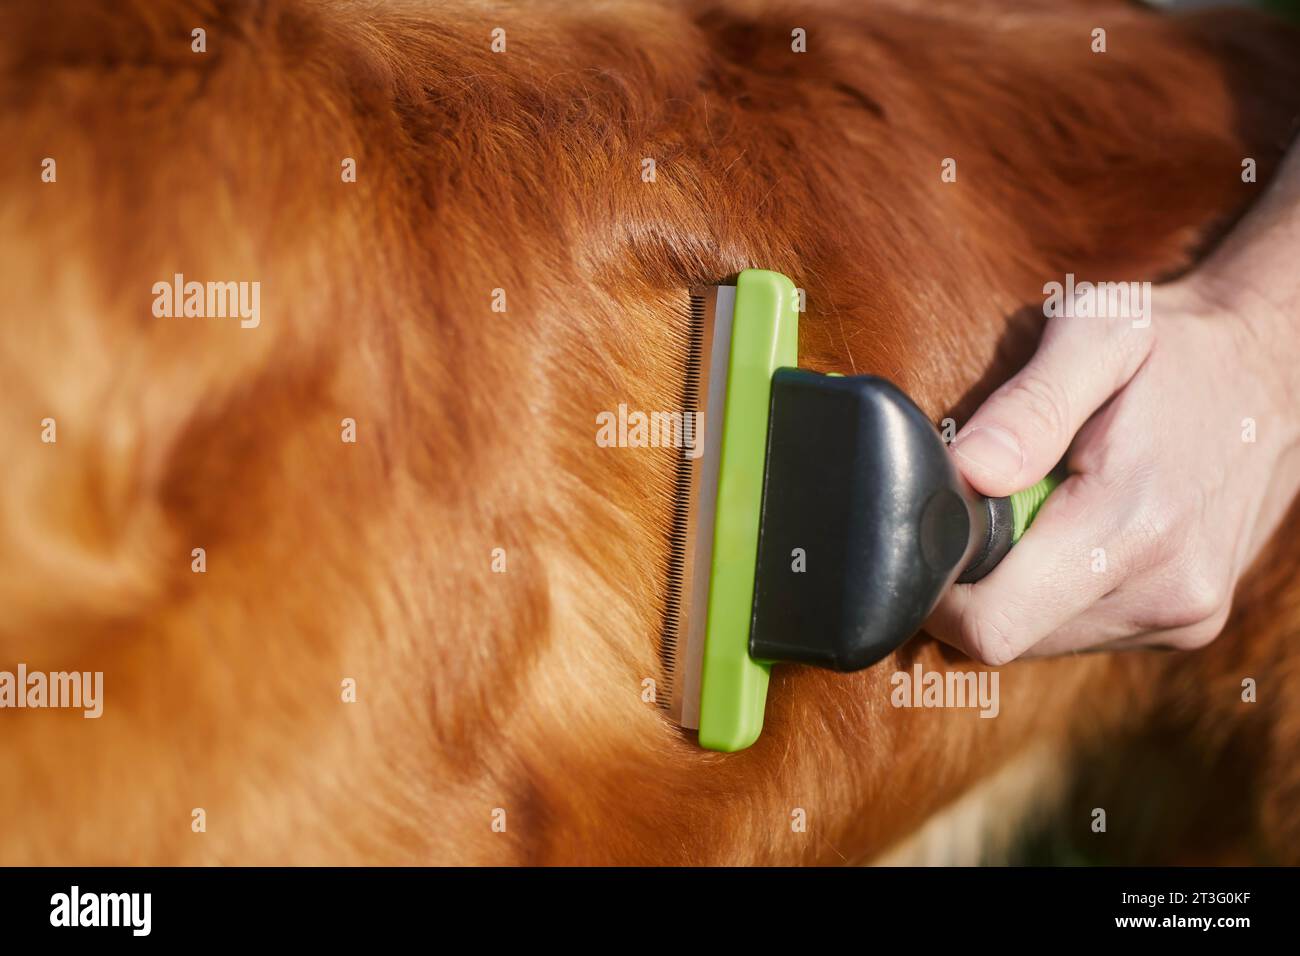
695,503
683,488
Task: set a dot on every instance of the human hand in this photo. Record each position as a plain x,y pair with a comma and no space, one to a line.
1183,454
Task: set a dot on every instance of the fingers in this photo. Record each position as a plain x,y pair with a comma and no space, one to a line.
1191,617
1097,633
1025,427
1185,609
1045,582
1107,565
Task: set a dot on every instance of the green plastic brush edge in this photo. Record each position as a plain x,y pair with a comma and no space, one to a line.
764,337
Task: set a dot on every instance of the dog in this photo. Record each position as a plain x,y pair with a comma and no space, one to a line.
360,584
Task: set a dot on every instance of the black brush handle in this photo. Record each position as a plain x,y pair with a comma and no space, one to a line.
865,522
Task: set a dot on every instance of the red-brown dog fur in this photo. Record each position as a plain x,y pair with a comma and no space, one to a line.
373,561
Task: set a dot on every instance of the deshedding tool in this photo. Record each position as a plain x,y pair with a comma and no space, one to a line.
820,524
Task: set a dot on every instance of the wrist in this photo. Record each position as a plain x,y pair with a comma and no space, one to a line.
1251,280
1263,322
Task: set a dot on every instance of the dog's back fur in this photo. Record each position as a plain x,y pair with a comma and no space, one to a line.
522,171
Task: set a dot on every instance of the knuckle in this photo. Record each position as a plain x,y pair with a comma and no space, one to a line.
1199,635
986,636
1152,533
1042,406
1202,600
1198,600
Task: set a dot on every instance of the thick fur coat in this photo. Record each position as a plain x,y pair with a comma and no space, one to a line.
371,561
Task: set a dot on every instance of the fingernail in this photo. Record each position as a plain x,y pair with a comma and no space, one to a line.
992,449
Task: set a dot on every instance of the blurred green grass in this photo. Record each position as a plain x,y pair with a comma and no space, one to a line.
1287,9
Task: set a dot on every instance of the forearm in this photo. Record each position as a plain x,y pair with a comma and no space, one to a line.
1261,256
1253,277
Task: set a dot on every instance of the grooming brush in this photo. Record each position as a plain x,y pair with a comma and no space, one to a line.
820,522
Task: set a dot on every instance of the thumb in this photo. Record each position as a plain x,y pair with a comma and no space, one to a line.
1024,428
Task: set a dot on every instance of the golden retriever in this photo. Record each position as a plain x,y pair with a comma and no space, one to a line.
361,584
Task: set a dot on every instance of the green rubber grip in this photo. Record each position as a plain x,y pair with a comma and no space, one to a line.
1025,504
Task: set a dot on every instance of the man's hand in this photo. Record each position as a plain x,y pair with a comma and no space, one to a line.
1182,441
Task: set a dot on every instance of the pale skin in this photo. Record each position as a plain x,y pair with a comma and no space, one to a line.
1168,501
